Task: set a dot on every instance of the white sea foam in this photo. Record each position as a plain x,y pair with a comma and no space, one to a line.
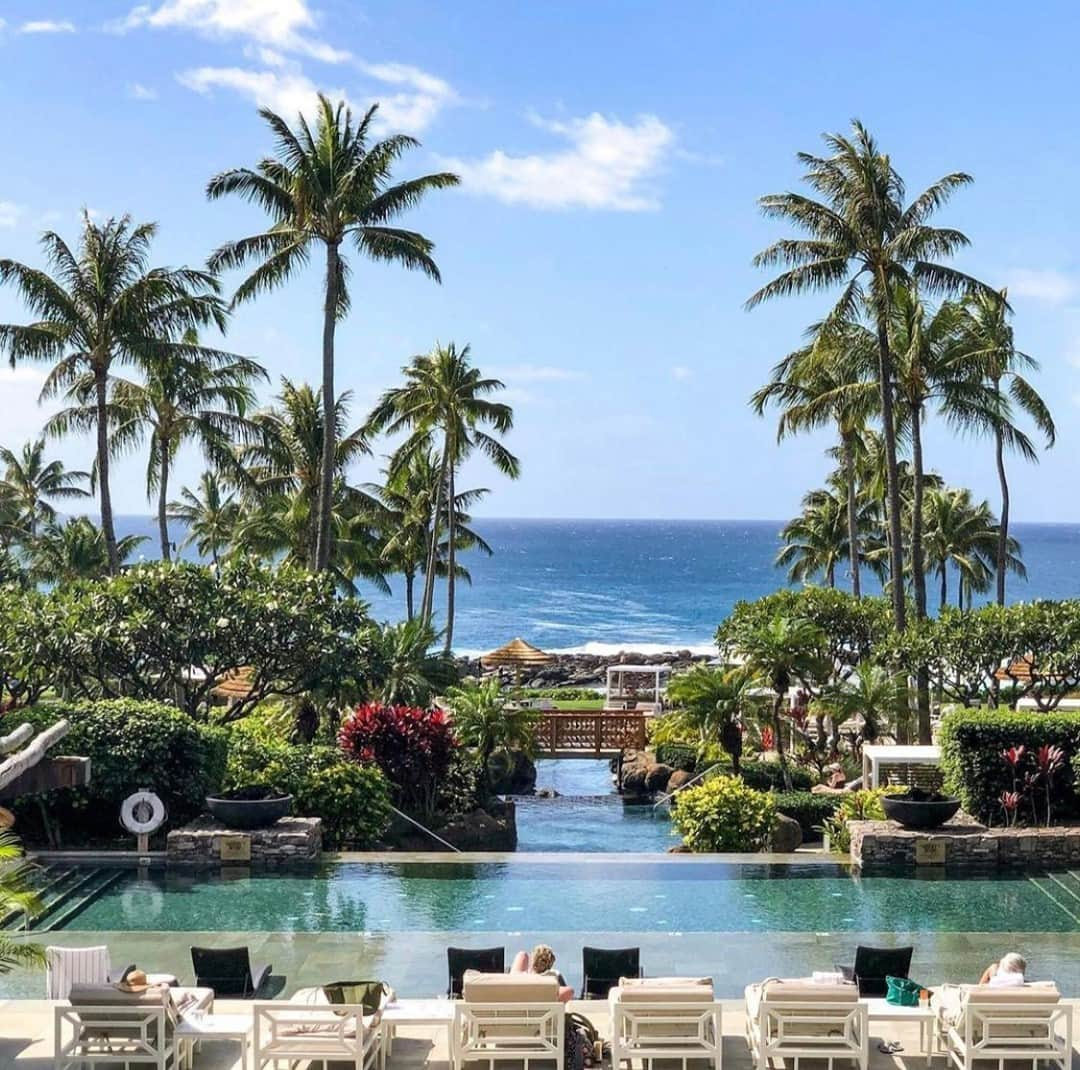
611,649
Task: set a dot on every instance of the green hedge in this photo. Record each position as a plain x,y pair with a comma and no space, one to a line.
972,741
810,810
131,745
678,755
768,776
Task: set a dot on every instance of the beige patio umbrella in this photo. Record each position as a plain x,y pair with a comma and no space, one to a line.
517,655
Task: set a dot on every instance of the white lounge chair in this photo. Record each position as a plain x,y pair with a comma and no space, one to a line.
664,1018
800,1020
980,1022
515,1016
67,966
309,1028
104,1025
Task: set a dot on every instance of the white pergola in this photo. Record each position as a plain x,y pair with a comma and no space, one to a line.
616,684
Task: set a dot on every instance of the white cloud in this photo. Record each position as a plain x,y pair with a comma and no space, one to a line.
538,373
1042,285
286,92
284,25
680,372
606,166
10,213
419,99
48,26
138,91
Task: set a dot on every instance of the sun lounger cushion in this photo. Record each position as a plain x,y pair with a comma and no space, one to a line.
783,993
953,1000
510,988
668,990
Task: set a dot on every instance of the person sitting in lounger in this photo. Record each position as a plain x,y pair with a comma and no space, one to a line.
1008,972
542,961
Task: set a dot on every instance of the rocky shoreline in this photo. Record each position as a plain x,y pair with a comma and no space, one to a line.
584,670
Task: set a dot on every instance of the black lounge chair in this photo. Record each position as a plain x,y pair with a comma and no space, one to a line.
228,971
603,968
874,964
484,959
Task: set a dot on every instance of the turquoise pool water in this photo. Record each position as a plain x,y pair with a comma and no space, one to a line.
667,896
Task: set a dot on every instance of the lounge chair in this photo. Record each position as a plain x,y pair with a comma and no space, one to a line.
228,971
133,1029
800,1020
481,959
983,1022
515,1016
602,969
664,1018
874,964
67,966
309,1028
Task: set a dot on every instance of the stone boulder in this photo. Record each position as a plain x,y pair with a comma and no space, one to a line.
493,829
786,835
511,772
677,780
657,777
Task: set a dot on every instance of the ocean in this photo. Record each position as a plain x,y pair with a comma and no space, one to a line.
599,586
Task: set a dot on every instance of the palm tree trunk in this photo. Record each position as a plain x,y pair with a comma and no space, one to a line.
1003,520
451,560
329,446
852,518
944,584
892,473
410,579
162,503
778,742
428,600
108,529
918,565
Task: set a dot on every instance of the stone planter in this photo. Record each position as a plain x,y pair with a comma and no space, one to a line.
915,813
248,813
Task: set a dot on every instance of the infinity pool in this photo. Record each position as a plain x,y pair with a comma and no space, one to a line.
586,895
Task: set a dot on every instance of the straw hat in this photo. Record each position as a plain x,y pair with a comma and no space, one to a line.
134,981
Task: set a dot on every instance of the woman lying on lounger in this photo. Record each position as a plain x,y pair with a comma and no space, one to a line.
542,961
1006,973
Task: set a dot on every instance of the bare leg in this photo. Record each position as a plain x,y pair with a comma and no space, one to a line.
520,963
566,993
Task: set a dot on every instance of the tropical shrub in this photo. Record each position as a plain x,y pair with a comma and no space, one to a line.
352,799
401,668
569,694
16,897
723,814
809,809
24,673
708,701
768,776
131,744
482,720
412,746
678,755
973,744
855,806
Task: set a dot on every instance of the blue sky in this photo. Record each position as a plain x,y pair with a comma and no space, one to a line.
599,251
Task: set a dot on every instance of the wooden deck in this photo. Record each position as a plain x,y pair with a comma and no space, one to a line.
589,733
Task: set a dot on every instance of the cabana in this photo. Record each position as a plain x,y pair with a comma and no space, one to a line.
623,693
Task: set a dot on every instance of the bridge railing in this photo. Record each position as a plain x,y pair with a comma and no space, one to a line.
589,731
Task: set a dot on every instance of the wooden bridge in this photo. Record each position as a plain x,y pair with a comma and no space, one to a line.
588,733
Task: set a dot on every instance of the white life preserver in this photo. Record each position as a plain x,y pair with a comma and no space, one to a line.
142,813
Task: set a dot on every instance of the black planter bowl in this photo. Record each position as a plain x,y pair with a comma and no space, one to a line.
249,808
915,813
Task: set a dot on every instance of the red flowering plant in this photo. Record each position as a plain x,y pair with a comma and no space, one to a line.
413,747
1033,775
1010,803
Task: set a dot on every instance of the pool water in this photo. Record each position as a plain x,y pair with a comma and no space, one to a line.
669,896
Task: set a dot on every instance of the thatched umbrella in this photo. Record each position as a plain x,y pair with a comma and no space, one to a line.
517,655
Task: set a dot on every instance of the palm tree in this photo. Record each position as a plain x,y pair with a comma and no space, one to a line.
989,345
709,701
17,897
407,501
879,697
403,668
76,550
816,541
192,394
30,481
829,381
863,236
211,515
103,306
326,187
445,397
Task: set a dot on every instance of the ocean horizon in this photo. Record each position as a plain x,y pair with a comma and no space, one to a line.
601,586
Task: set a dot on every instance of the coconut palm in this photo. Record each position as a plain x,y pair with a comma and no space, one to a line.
30,480
210,514
326,187
815,541
17,897
878,697
829,381
445,400
989,345
862,236
709,701
76,550
103,306
403,668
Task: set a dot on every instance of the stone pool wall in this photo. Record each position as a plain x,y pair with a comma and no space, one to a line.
963,842
206,842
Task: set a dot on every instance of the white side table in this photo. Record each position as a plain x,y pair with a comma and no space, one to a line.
879,1009
438,1013
195,1028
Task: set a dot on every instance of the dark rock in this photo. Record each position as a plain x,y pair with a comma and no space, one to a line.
786,835
511,772
657,776
633,781
677,780
679,849
546,793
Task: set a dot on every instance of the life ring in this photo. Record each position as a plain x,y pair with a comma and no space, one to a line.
142,813
142,902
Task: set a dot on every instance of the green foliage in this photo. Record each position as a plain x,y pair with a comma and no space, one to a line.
709,701
972,742
24,634
810,810
482,720
678,755
131,744
768,776
16,897
403,671
352,799
567,693
723,814
855,806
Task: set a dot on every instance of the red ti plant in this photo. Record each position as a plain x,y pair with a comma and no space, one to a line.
767,739
1013,757
1049,761
1010,803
